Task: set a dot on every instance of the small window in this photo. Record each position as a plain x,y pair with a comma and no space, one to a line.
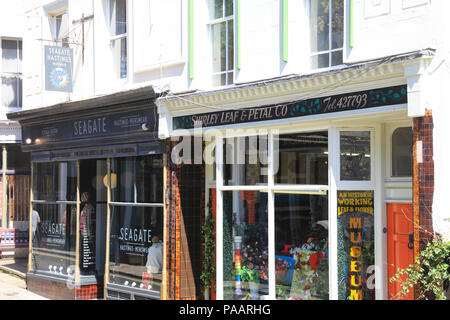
11,73
222,39
61,29
326,32
118,31
402,152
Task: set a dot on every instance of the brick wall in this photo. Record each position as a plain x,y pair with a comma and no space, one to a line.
423,181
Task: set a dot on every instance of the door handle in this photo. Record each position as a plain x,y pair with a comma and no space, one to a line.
411,242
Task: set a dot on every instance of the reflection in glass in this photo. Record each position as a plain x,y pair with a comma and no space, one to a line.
138,179
54,239
245,160
402,152
355,155
302,158
245,261
301,246
136,247
55,181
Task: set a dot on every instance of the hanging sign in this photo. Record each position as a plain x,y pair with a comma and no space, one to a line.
58,69
315,106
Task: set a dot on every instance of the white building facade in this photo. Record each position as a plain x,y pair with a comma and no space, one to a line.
340,104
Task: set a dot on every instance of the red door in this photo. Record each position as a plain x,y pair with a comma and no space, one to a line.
400,245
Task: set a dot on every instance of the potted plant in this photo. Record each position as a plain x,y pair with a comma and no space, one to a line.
208,266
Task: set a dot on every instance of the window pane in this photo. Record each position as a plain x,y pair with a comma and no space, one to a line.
301,246
230,46
356,251
61,26
54,238
245,240
245,160
136,247
16,159
336,58
215,9
55,181
337,24
10,56
320,61
355,155
122,177
149,174
118,16
402,152
302,158
230,78
319,25
219,47
11,87
228,7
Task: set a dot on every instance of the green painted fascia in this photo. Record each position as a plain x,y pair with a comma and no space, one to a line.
238,33
351,24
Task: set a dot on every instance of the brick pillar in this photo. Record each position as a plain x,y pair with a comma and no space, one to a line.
423,181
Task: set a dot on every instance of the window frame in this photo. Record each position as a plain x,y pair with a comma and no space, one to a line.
113,40
210,25
330,50
18,75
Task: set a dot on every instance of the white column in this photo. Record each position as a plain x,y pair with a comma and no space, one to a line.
219,218
271,217
333,166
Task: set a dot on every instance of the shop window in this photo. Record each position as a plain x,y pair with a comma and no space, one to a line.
326,32
11,73
54,237
136,248
221,14
302,158
118,33
355,157
402,152
245,239
301,246
136,238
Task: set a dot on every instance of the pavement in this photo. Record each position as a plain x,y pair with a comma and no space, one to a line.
13,281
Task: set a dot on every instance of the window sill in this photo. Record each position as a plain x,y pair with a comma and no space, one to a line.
157,66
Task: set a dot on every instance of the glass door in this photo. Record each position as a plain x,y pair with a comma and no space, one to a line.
355,195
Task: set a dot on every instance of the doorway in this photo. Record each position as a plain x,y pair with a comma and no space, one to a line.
93,206
400,239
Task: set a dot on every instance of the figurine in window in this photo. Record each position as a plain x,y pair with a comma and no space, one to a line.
154,258
86,215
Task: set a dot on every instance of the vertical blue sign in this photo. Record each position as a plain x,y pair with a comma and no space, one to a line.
58,69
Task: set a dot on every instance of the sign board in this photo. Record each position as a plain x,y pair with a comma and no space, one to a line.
58,69
314,106
105,125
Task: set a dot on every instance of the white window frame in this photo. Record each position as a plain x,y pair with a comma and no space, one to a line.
330,39
113,40
18,75
210,24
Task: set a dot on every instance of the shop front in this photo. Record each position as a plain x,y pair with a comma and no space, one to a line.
97,215
306,183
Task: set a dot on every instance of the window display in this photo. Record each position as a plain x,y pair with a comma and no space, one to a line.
245,251
136,247
136,234
301,246
55,232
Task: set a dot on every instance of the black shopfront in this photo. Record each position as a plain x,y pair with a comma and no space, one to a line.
97,187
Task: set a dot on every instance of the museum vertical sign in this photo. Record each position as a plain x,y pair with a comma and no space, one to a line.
58,69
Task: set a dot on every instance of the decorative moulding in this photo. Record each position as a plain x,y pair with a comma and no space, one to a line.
375,8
